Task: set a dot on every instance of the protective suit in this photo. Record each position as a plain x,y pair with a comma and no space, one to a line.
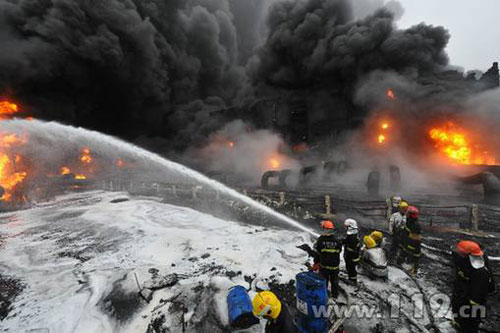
352,249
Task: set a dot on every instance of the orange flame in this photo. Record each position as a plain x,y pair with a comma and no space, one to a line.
230,144
390,94
274,163
7,108
457,145
9,178
382,137
119,163
9,140
86,157
65,171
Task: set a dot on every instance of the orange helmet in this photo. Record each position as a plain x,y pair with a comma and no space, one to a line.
326,224
468,247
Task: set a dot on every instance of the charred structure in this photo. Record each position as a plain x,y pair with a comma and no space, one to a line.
315,115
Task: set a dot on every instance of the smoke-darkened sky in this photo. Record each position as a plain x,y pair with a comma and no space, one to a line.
473,26
157,68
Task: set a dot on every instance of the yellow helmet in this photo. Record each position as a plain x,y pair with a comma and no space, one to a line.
267,304
403,205
369,242
377,236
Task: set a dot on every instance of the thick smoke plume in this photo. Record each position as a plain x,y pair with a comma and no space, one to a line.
159,72
319,44
123,66
127,67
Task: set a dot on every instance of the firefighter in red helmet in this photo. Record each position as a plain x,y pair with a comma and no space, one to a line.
411,240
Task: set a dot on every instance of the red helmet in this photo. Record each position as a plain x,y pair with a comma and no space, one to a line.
467,248
413,212
326,224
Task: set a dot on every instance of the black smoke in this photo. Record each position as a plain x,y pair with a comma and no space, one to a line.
318,43
160,69
120,66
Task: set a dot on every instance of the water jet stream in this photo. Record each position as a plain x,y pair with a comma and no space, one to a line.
52,141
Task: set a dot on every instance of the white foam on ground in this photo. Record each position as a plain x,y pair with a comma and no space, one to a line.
71,252
117,239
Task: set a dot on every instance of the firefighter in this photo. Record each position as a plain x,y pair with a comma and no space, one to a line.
374,259
352,249
279,320
411,240
395,201
378,237
329,247
473,282
396,223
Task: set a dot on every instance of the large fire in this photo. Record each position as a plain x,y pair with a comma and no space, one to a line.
7,108
10,163
13,170
9,176
458,145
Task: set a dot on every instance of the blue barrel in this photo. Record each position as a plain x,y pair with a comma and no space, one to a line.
239,307
312,296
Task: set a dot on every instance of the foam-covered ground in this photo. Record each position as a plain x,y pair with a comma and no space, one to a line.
80,261
77,258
